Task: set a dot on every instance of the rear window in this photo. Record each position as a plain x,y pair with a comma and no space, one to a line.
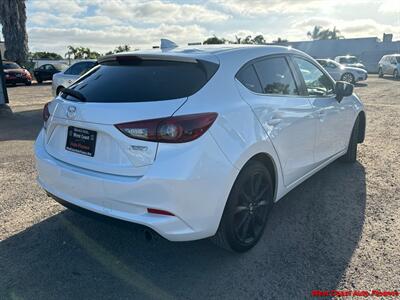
143,80
10,66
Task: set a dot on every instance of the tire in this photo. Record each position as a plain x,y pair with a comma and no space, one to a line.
380,73
246,212
28,83
351,154
348,77
39,80
396,74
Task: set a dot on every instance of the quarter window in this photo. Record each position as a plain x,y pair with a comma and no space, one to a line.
248,77
317,83
276,77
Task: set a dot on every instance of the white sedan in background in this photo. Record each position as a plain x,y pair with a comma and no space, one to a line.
344,73
68,76
196,142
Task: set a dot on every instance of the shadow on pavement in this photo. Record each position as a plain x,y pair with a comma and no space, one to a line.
24,125
309,241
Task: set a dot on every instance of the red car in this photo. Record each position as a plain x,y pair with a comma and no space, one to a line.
14,74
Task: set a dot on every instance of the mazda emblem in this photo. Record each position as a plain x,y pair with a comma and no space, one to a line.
71,112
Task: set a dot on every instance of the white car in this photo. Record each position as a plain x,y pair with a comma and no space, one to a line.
344,73
68,76
349,61
389,65
196,142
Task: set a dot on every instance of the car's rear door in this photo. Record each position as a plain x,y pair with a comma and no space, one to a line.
333,118
270,88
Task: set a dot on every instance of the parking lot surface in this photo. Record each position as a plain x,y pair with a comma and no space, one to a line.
338,230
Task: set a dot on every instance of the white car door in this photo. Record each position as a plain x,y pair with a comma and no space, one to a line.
273,94
333,118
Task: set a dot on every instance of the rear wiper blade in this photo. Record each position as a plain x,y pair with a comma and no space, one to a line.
74,94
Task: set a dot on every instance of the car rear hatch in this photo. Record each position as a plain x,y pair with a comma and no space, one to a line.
81,129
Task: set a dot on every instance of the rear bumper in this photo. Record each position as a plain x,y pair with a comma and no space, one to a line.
17,80
186,188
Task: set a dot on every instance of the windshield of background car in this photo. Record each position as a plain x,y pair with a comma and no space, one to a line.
10,66
143,80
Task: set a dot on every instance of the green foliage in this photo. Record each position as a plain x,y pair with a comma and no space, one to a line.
81,53
318,33
45,55
257,40
214,40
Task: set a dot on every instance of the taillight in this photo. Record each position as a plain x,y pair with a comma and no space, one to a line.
178,129
46,113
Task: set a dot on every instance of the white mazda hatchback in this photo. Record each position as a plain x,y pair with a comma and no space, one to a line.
196,142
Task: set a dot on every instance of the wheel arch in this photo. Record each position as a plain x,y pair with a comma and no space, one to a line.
270,164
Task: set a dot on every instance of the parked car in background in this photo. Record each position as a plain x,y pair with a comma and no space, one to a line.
389,65
349,61
344,73
196,142
46,71
67,77
14,74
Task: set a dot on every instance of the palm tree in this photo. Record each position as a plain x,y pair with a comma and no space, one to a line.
335,34
13,20
124,48
324,34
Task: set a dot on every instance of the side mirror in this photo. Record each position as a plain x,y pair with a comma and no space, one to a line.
343,89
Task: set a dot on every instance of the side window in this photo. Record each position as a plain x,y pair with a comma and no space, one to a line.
248,77
49,67
276,77
317,83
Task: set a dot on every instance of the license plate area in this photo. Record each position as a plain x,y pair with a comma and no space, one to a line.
81,141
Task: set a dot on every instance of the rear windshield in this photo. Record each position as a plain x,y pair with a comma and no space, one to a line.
143,80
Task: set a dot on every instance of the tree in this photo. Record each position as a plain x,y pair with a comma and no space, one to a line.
319,33
214,40
280,41
257,40
13,19
81,53
124,48
45,55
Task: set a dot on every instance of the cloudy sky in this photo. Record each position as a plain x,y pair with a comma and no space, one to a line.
104,24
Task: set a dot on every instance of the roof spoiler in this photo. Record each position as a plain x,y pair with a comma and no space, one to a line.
167,44
145,56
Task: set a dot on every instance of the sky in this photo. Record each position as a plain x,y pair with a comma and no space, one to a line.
104,24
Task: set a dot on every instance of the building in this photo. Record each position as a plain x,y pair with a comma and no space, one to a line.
369,50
